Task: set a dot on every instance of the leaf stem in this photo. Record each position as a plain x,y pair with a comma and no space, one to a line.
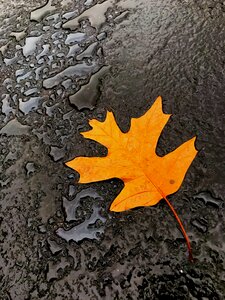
182,228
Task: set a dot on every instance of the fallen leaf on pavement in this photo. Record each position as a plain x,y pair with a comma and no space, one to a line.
132,157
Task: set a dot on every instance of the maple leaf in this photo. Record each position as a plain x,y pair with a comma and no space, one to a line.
132,157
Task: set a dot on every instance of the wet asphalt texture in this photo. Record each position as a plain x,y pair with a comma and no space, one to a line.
58,239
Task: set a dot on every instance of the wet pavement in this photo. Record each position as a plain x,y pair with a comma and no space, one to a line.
68,62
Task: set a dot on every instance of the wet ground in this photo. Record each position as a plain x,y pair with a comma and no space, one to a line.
69,62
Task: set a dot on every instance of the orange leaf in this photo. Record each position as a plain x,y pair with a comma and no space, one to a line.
147,177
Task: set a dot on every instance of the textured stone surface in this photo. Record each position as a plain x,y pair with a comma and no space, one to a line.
169,48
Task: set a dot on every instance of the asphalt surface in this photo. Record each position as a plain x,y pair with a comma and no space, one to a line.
67,63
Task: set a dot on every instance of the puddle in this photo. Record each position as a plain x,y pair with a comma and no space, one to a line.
55,268
69,15
88,228
14,127
81,69
23,77
19,35
57,153
29,105
4,48
88,2
31,45
87,96
50,109
67,83
208,199
31,92
6,105
41,12
75,38
20,72
102,36
44,52
11,61
62,60
96,15
121,17
83,230
200,225
10,157
73,51
54,247
70,206
89,52
30,168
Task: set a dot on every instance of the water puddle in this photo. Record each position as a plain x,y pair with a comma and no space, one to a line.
41,12
73,51
81,69
208,199
201,225
44,52
31,45
121,17
102,36
69,15
83,230
4,48
31,92
24,76
89,52
30,168
54,247
50,109
96,15
57,153
19,35
6,105
87,96
14,127
88,2
70,206
89,229
55,268
29,105
75,38
11,61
